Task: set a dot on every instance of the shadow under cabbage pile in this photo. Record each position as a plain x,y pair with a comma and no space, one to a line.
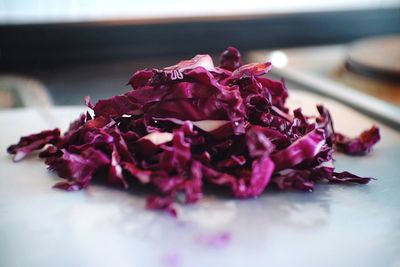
192,124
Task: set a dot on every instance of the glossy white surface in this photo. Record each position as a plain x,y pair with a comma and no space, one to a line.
333,226
48,11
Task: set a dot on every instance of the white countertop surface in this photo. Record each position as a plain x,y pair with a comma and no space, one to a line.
48,11
336,225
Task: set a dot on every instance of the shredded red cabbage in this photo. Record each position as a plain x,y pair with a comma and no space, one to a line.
192,124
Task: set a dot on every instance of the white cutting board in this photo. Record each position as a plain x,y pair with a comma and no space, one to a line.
336,225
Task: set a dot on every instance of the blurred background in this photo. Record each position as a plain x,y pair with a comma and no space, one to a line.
56,52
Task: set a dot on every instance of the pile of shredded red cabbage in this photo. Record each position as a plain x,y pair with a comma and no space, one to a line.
193,124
